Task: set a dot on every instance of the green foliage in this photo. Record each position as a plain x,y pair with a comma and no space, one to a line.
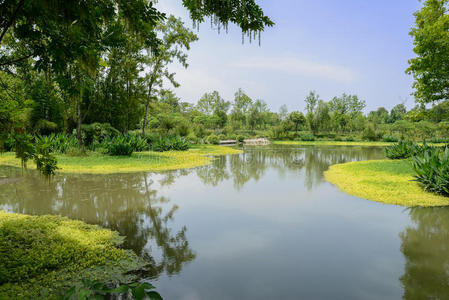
400,150
307,137
43,254
46,163
24,148
119,146
369,134
213,139
406,149
429,67
432,170
176,143
390,139
97,132
98,290
240,138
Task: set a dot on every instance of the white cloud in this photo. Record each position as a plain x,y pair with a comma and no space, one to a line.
301,67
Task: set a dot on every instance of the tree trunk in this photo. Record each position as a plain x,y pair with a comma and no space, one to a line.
78,123
147,105
127,108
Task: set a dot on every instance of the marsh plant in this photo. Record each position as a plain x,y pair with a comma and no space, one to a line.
432,170
406,149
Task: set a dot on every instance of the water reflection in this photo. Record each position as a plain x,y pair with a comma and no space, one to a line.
123,202
253,164
425,246
132,205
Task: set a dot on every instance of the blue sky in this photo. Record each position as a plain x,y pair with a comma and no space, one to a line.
330,46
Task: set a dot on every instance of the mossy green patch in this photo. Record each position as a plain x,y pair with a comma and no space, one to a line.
386,181
41,256
96,163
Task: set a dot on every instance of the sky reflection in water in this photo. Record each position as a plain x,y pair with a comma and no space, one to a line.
263,224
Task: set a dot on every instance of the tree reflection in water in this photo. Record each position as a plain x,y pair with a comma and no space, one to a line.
131,204
253,164
122,202
425,246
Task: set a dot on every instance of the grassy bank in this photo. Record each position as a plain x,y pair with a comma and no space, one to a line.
386,181
331,143
41,257
96,163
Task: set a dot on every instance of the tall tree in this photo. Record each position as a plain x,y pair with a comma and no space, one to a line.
212,102
430,67
175,38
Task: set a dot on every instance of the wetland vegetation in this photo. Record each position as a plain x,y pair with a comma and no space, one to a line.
136,188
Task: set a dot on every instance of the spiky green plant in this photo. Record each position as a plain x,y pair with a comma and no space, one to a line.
432,170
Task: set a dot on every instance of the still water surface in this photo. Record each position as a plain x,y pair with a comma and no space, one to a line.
261,225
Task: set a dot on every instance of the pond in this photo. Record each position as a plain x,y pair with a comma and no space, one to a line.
260,225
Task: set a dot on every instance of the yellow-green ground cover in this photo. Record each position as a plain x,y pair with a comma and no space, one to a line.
332,143
43,256
96,163
386,181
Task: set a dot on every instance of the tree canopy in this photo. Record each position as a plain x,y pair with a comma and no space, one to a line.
430,67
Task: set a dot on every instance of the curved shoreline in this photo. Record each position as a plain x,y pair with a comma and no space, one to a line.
199,155
385,181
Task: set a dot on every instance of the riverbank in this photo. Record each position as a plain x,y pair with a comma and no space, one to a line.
385,181
42,256
96,163
332,143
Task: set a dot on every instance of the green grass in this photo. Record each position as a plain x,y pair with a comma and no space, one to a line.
332,143
95,163
42,256
386,181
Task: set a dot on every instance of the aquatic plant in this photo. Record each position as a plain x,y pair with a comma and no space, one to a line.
41,255
99,290
432,170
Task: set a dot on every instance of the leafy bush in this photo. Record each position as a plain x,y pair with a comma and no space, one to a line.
349,139
213,139
170,143
307,137
432,170
390,139
138,142
400,150
369,134
440,140
119,146
222,137
240,138
179,144
406,149
97,132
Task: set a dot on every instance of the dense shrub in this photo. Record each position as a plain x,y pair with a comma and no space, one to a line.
440,140
390,139
369,134
432,170
118,146
406,149
213,139
170,144
400,150
350,139
97,132
307,137
240,138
